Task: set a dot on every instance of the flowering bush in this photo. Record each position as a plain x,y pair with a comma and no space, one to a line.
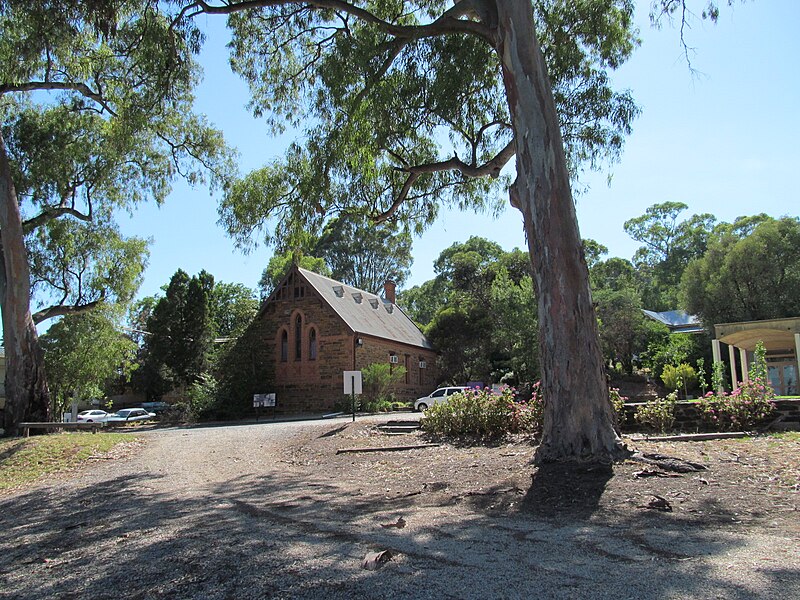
484,414
746,406
749,404
659,413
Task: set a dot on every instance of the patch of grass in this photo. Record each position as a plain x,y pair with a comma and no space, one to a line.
24,460
789,436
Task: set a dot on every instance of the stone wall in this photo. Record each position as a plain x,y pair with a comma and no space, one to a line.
687,417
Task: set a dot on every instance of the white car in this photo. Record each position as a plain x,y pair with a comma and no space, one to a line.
128,415
437,396
92,416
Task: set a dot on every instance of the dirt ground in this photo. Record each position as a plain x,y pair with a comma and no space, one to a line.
750,481
273,511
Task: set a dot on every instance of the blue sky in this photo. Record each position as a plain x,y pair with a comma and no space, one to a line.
724,141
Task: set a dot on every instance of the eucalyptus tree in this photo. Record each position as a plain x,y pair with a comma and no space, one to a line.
669,244
750,272
365,256
414,105
95,102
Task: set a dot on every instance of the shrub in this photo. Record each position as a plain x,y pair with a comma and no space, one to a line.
618,403
681,377
376,405
484,414
203,397
658,414
378,380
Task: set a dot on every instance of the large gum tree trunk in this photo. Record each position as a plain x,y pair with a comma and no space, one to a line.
578,422
27,395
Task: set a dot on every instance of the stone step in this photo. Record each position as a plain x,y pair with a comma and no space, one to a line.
399,427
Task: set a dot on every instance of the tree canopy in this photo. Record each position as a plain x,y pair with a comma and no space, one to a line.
481,314
86,352
751,271
669,246
96,110
379,87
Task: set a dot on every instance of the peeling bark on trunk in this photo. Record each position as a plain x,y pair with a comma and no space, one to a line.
27,394
578,421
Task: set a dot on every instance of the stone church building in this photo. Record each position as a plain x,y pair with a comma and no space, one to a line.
312,328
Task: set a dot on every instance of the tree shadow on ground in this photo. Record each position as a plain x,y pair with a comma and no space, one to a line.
566,487
291,534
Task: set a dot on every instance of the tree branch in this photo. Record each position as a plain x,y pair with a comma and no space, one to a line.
491,168
448,22
60,310
53,212
81,88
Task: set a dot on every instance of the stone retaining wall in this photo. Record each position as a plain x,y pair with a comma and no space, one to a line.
687,418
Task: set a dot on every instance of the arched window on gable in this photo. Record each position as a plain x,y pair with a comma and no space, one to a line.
312,344
298,337
284,346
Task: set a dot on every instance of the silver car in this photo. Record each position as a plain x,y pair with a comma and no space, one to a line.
128,415
437,396
92,416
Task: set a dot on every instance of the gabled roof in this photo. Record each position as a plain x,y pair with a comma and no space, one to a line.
678,321
366,313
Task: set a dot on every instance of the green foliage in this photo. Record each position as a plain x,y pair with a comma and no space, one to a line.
750,404
83,264
679,377
669,246
233,306
177,350
422,302
618,403
378,379
750,272
377,103
671,349
483,414
624,331
84,142
365,255
485,324
203,396
701,376
84,354
658,414
279,266
718,377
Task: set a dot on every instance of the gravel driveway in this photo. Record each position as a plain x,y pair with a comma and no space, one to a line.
266,511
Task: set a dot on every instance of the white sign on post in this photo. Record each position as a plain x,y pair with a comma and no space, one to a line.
352,382
263,400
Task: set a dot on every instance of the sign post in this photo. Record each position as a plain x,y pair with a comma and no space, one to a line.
264,400
352,386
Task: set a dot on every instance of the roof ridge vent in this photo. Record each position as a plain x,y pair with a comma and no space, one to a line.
357,297
338,290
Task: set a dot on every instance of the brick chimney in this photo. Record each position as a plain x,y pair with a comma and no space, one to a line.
389,289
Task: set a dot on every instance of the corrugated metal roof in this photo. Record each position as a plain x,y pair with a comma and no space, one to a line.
678,321
366,313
